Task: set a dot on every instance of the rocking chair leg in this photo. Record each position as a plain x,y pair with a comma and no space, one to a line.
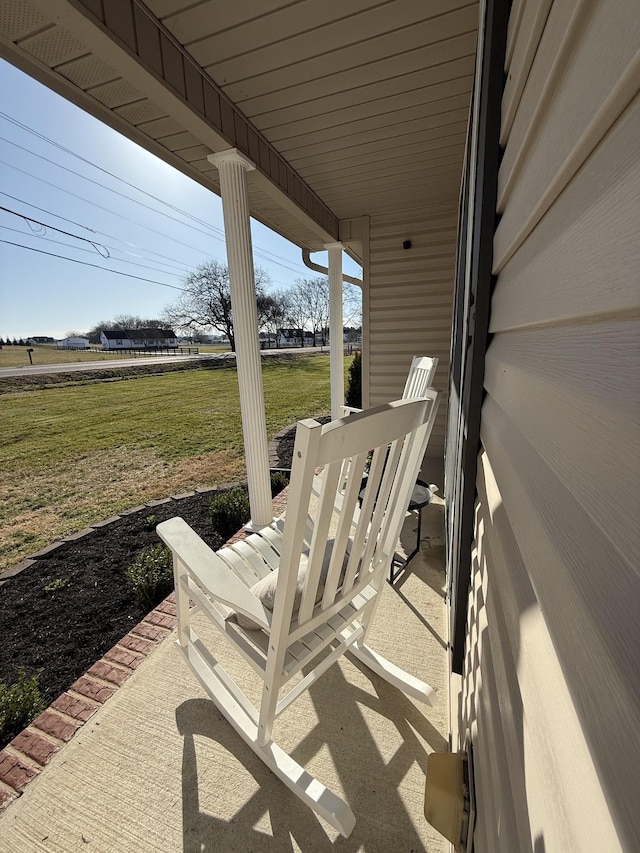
401,679
234,707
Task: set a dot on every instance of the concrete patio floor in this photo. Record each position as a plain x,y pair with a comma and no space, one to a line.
158,768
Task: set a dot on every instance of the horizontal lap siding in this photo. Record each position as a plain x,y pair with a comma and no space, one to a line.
410,304
551,685
540,781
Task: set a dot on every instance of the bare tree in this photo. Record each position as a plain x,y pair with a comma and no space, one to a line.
122,322
312,294
132,321
310,298
276,312
298,314
205,302
351,304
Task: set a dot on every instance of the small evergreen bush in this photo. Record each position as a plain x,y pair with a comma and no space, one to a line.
279,481
229,512
151,575
353,396
19,705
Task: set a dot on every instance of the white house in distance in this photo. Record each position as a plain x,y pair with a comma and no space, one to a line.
74,342
40,339
126,339
292,338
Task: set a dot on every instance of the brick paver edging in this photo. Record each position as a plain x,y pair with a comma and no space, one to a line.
29,752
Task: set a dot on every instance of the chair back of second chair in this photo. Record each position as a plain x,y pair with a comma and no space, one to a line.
420,376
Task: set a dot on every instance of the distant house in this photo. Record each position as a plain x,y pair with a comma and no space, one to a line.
74,342
40,339
126,339
293,338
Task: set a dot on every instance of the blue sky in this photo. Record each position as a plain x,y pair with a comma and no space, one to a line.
41,294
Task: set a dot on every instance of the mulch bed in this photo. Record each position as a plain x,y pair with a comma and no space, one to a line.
60,634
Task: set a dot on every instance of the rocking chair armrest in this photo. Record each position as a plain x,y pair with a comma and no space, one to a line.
210,572
349,410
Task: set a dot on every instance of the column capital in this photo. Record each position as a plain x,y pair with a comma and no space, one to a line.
231,155
333,246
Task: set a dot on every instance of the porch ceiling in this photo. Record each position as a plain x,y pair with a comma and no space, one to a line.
348,108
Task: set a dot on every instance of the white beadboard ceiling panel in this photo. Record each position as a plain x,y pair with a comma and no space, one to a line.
347,107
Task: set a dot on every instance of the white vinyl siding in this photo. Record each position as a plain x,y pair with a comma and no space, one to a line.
410,299
551,685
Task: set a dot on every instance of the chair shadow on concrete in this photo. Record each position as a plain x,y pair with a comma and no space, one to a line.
203,832
370,781
430,563
428,566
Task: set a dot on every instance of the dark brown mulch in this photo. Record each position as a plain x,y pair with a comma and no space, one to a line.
284,450
61,634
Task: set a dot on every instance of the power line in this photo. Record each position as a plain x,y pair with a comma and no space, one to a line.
264,253
181,265
95,266
45,225
133,222
105,187
101,169
57,216
104,234
81,249
29,220
100,207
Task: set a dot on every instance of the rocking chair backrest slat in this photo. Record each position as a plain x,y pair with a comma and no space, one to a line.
360,536
420,376
385,464
337,572
320,538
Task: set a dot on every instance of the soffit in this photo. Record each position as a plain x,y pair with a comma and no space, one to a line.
354,107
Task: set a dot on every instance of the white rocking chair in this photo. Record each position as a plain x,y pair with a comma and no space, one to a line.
284,595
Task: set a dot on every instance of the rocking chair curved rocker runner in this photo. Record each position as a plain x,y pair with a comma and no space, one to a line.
289,592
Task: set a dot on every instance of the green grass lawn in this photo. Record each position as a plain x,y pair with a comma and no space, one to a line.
208,348
47,354
71,456
16,356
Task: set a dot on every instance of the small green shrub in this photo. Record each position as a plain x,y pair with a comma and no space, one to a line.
229,512
279,481
19,705
150,521
57,584
353,397
151,575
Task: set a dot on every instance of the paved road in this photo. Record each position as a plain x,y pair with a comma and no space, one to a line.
74,367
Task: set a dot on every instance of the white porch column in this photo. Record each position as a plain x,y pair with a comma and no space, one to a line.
233,167
336,328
